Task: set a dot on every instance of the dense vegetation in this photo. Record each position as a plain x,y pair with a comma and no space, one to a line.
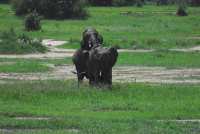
51,9
135,2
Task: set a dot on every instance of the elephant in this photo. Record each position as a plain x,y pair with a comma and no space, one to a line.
96,64
80,59
99,65
91,38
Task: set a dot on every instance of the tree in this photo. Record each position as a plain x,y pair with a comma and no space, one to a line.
51,9
195,2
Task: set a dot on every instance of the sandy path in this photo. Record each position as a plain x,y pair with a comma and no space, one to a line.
56,53
120,74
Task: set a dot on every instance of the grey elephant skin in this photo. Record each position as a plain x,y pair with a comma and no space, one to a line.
94,61
96,64
91,38
99,65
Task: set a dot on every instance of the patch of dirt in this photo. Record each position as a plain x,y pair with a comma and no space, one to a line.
195,38
182,121
53,43
7,63
120,74
32,118
192,49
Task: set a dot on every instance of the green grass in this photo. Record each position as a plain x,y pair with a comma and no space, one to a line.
11,43
24,66
30,65
161,58
127,108
147,27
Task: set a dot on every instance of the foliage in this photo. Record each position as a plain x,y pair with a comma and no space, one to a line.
195,2
32,22
142,28
11,43
181,11
52,9
116,2
101,2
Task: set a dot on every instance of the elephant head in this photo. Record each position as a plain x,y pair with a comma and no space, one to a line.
91,38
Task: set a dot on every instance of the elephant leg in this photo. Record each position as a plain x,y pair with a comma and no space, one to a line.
107,76
94,79
80,78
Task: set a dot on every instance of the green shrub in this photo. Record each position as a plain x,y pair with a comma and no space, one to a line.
32,22
116,2
181,11
195,2
101,2
51,9
11,43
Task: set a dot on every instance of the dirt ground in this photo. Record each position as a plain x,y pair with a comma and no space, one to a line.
120,74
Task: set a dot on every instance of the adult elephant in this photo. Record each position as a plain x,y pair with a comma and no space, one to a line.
96,64
80,59
99,65
91,38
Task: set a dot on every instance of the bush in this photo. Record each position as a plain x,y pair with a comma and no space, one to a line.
11,43
195,2
181,11
51,9
101,2
32,22
116,2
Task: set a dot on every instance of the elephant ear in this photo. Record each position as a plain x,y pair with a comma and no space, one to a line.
100,39
86,53
84,43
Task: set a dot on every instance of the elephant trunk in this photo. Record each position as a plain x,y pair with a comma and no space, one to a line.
93,42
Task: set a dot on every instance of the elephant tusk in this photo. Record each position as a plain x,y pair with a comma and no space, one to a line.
74,72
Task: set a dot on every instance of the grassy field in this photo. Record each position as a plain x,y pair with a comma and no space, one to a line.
147,27
127,108
134,108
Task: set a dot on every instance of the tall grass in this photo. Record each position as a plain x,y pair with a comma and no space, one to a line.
11,43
